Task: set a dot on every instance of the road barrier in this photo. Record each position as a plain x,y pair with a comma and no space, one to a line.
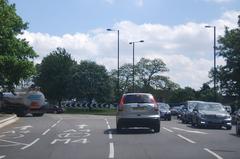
89,105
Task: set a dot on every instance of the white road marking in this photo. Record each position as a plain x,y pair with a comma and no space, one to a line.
10,121
167,129
213,153
82,126
66,141
111,150
54,125
45,132
29,145
110,135
190,131
12,142
108,126
23,127
188,140
3,156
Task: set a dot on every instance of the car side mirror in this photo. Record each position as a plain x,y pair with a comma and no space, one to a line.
195,110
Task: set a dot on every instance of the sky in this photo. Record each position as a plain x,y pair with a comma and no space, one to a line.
172,30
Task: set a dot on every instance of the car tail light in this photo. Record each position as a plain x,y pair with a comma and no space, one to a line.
155,104
120,106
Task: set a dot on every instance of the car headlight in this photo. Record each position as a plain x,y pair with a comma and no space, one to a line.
228,117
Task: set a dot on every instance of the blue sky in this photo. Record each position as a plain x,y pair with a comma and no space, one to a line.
173,30
60,16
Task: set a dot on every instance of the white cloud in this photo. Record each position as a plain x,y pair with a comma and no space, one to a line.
186,49
109,1
219,1
140,3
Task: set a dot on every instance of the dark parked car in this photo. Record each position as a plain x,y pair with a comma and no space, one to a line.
165,113
238,123
55,109
211,114
188,111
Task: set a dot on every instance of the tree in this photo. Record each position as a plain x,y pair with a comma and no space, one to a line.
15,53
54,75
182,95
91,81
148,73
229,74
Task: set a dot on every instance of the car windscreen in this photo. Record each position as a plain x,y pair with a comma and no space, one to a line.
211,107
141,98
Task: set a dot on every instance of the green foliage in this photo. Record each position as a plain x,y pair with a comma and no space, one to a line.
91,81
54,74
181,95
229,75
14,52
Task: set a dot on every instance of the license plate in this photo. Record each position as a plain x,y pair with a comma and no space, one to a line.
138,108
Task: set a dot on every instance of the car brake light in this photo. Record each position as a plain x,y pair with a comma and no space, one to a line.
155,104
120,106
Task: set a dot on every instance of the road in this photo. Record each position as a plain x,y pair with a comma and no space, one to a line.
88,137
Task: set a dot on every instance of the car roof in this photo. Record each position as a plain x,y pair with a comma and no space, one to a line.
137,94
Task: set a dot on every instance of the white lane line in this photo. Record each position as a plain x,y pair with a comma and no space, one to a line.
190,131
110,135
54,125
12,142
188,140
45,132
29,145
213,153
111,150
3,156
108,126
167,129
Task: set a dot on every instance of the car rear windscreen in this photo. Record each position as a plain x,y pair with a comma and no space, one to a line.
138,99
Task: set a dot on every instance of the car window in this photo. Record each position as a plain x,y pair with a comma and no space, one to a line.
211,107
142,98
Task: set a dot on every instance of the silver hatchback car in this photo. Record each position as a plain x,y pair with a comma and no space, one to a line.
138,110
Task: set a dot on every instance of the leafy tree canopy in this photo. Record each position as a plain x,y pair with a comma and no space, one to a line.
15,53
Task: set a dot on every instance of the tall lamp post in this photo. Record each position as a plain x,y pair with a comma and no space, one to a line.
214,55
118,87
133,44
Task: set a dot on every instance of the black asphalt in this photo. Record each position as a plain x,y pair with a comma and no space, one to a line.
66,136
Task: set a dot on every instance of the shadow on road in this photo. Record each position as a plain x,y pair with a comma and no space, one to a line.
133,131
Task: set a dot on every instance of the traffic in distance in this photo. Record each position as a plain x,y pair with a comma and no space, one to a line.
141,110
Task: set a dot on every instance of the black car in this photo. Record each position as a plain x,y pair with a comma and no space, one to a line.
211,114
55,109
188,111
238,122
165,113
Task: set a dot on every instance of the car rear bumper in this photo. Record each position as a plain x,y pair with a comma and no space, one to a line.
138,122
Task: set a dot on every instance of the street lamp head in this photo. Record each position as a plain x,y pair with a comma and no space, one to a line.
109,29
141,41
208,26
130,43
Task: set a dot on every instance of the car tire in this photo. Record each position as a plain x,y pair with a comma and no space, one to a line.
238,129
156,128
228,127
119,127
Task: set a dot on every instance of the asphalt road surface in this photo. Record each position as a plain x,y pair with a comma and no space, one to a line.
94,137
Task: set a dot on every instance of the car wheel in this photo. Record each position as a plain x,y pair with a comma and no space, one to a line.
119,127
156,128
229,127
238,129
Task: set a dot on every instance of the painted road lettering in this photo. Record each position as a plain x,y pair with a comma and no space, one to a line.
76,135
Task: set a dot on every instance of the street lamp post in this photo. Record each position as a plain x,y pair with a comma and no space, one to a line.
118,87
214,56
133,44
